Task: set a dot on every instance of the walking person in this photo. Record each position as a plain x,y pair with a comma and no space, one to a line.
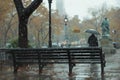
93,41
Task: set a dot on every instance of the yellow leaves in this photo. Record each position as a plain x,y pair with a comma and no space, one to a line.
58,31
76,30
4,8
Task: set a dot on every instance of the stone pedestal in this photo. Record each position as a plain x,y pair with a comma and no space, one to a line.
106,44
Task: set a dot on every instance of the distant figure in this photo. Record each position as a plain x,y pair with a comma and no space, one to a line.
93,41
105,27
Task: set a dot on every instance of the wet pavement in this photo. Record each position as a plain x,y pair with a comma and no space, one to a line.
60,71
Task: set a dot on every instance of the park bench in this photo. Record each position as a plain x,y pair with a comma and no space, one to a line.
70,56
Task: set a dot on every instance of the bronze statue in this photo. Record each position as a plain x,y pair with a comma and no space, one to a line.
105,27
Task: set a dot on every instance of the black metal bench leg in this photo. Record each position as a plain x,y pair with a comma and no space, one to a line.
102,72
40,70
40,63
41,66
15,69
70,69
70,64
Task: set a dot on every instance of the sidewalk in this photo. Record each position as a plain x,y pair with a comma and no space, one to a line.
112,69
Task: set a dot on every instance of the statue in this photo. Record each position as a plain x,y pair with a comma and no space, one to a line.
106,41
105,27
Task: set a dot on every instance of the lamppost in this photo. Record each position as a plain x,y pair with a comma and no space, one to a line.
65,28
50,41
66,31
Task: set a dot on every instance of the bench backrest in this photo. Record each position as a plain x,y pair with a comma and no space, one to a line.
58,55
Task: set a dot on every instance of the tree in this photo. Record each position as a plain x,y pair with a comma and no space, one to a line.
8,23
114,24
38,26
95,13
7,14
4,8
23,16
73,27
57,26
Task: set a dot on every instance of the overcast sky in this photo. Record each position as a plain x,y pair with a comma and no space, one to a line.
80,7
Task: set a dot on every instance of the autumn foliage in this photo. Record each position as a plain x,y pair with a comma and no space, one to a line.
38,24
4,8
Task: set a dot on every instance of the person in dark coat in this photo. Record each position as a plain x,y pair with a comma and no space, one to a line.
93,41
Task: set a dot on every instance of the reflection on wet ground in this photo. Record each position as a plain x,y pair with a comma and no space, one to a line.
50,72
60,71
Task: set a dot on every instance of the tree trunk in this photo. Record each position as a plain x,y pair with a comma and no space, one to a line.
23,33
23,15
